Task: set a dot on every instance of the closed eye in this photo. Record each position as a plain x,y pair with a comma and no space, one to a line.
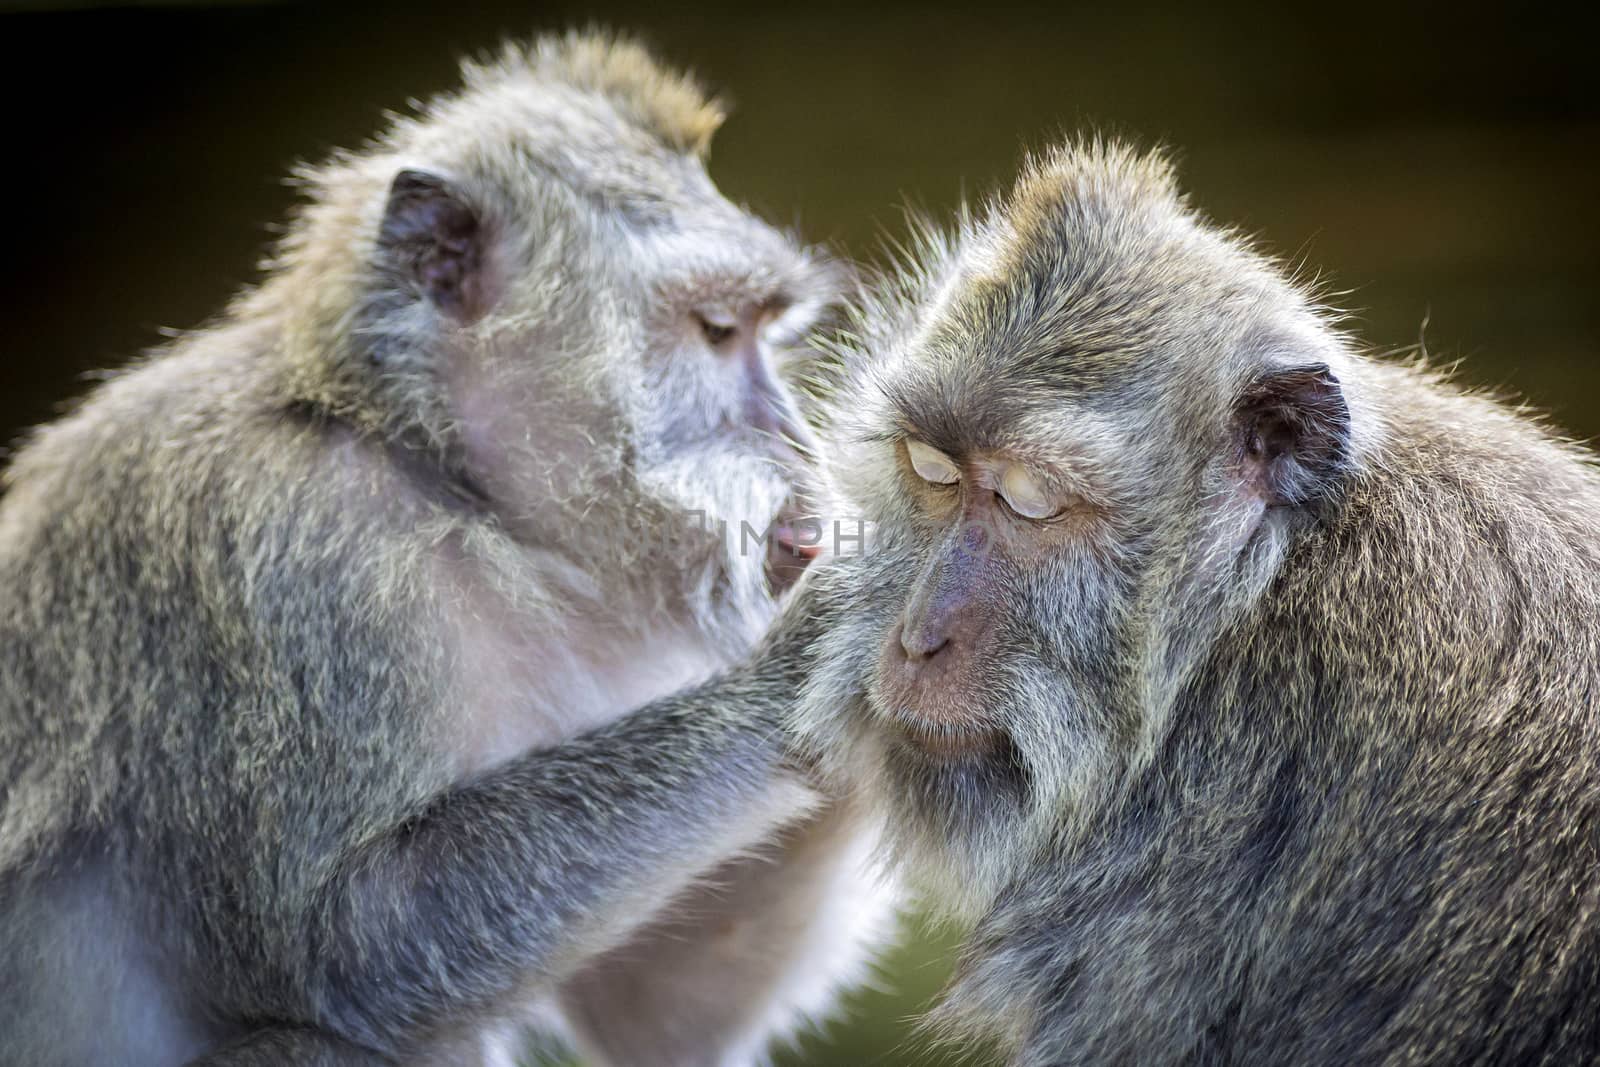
717,334
1026,497
931,465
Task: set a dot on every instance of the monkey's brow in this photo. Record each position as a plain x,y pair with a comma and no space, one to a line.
768,294
927,414
943,434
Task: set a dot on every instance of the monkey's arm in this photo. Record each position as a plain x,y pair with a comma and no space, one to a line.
560,853
759,946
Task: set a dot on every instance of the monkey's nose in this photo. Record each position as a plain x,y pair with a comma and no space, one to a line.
922,642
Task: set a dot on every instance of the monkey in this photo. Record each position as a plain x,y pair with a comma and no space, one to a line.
1234,687
320,628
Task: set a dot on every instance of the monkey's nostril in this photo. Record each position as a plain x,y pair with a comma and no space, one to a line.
922,643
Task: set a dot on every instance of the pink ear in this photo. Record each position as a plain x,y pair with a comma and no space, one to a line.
1293,433
432,240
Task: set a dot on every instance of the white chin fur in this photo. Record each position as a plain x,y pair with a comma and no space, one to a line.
722,502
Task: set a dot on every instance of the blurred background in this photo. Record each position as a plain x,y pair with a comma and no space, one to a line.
1439,165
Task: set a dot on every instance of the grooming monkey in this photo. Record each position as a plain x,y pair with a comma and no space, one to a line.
317,630
1238,689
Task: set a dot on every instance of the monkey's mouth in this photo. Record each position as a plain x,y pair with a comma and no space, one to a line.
791,546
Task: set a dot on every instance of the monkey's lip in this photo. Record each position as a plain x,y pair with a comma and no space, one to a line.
786,537
788,554
933,709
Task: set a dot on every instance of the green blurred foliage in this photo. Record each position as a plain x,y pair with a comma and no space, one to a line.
877,1024
880,1027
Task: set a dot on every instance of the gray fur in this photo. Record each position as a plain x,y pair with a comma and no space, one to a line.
318,628
1304,775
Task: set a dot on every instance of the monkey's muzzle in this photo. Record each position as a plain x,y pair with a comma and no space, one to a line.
791,546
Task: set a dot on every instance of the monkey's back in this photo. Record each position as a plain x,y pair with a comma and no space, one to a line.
1446,720
156,548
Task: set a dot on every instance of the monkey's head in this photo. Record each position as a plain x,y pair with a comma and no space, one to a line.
535,283
1088,428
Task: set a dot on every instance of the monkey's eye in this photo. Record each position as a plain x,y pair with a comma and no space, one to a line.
932,465
717,332
1024,495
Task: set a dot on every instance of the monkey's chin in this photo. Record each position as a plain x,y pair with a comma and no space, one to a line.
951,818
946,743
948,765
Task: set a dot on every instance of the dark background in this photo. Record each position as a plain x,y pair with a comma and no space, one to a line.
1436,163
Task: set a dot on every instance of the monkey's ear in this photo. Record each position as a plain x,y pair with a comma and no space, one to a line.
1293,433
432,239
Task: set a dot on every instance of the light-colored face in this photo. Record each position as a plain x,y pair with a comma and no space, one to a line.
624,394
725,305
730,304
